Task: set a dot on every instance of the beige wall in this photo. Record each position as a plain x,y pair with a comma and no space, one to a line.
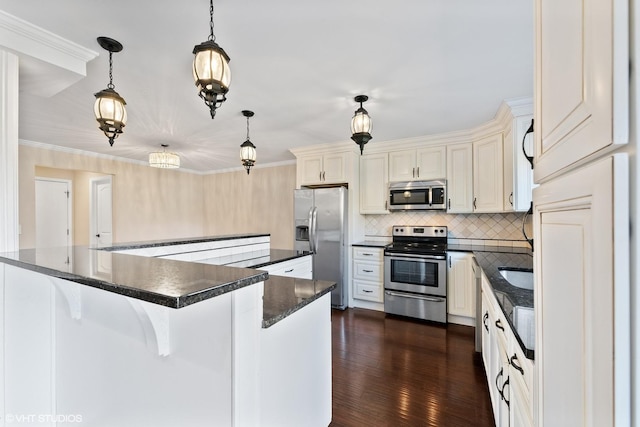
148,203
260,202
153,203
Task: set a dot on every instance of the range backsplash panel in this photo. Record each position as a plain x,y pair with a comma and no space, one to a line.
501,229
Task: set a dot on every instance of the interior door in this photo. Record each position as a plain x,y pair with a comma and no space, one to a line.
53,221
101,212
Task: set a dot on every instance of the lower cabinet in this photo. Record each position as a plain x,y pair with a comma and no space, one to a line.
301,268
461,291
509,373
368,276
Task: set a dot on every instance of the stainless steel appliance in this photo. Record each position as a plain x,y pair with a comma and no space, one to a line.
321,229
418,195
415,273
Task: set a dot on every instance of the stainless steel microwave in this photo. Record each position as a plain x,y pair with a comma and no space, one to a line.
418,195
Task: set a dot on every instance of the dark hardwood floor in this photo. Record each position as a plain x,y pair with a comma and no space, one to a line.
392,371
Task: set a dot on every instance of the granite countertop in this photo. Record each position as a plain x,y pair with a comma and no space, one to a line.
372,244
256,259
284,296
183,241
166,282
516,303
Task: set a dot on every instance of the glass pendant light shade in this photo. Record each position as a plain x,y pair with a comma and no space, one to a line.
110,113
361,124
164,159
247,149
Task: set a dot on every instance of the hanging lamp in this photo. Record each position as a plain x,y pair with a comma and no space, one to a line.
361,124
211,71
247,149
164,159
109,107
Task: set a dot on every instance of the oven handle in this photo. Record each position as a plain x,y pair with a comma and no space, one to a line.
405,256
432,299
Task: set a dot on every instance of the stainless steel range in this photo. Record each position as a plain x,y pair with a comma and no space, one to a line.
415,273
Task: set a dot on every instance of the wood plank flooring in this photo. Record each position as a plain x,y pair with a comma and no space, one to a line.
392,371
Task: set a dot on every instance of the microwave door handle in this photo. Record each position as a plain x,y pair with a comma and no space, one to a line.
430,194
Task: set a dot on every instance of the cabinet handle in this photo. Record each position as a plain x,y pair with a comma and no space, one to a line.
474,202
366,254
418,171
498,385
485,319
511,198
366,291
449,261
512,363
368,271
503,394
449,204
386,205
530,130
499,325
413,172
289,271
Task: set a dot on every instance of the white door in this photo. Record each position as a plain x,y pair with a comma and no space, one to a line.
53,221
101,212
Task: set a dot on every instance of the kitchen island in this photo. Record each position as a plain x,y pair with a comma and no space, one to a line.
126,340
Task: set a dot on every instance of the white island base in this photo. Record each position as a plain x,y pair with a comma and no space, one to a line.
77,355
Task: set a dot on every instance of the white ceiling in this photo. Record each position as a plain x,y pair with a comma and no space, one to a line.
428,66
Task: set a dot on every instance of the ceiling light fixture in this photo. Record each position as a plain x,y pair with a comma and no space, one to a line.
247,149
211,70
164,159
361,124
109,107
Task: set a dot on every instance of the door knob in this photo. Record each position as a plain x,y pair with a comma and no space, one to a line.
97,235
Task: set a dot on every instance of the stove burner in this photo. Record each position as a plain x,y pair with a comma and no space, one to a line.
421,240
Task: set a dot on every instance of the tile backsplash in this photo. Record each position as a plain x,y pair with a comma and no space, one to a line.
500,229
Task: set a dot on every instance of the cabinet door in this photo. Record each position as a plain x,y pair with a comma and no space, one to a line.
334,168
522,172
461,285
460,178
402,165
581,296
487,174
431,163
374,183
582,80
311,170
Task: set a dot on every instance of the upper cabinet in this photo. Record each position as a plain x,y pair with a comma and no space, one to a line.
421,164
374,183
487,174
323,169
460,178
582,81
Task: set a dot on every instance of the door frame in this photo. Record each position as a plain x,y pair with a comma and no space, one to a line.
69,205
93,208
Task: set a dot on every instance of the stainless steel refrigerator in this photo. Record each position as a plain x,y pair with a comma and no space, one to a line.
321,229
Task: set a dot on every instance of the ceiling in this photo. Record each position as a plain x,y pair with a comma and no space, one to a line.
428,66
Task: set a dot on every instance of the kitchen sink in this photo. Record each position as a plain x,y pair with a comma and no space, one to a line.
518,277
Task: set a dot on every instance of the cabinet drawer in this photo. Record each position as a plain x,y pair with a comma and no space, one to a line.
368,254
367,291
367,271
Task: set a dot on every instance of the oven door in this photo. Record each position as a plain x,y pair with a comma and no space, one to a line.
420,274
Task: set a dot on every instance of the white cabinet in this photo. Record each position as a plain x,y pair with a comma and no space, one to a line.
461,292
460,178
422,164
368,275
374,183
518,175
300,268
582,81
588,343
487,174
323,169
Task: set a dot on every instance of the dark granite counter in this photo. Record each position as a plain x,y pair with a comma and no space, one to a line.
183,241
174,284
372,244
515,302
286,295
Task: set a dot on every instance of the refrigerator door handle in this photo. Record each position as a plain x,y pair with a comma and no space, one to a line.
311,236
315,230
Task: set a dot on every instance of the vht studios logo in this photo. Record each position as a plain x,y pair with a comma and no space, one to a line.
42,418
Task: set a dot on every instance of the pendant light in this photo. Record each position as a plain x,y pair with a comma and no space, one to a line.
361,124
247,149
164,159
211,71
109,107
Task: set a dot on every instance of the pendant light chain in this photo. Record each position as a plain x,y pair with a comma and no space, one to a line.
248,128
110,85
212,37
